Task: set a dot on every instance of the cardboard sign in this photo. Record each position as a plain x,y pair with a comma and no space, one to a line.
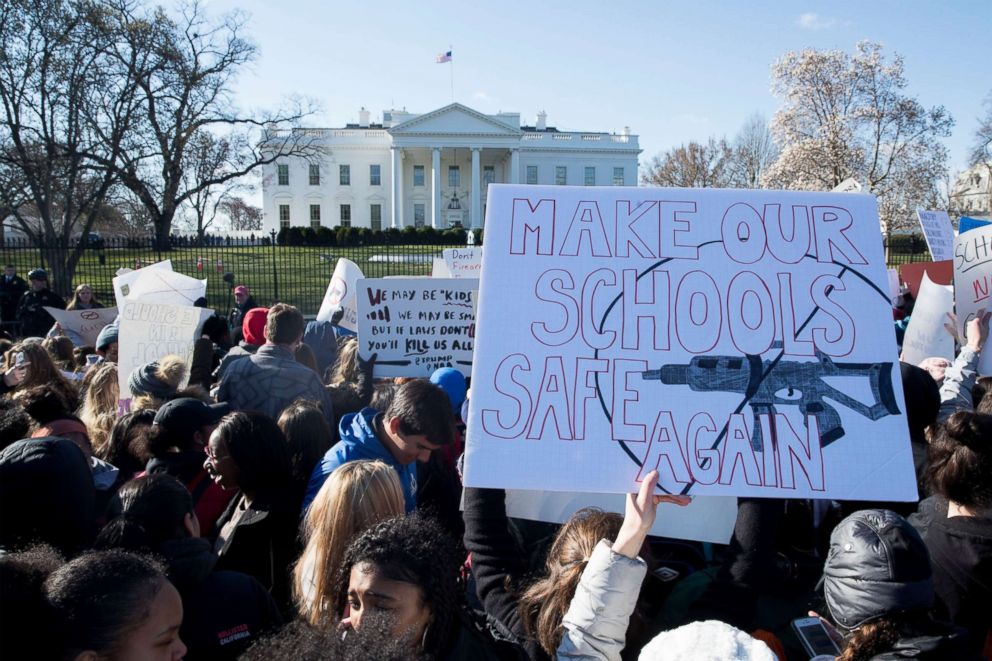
941,273
341,294
966,224
973,283
463,262
167,287
416,325
150,331
705,519
938,232
741,342
124,281
926,336
83,326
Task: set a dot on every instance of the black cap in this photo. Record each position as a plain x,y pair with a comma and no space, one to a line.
38,274
186,416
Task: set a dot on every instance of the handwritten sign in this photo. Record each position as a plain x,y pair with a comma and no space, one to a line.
463,262
416,325
83,326
741,342
341,294
939,233
150,331
123,281
973,282
165,286
926,336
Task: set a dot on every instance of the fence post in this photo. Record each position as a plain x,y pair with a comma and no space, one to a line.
275,275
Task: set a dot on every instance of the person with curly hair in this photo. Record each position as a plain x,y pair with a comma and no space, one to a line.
406,568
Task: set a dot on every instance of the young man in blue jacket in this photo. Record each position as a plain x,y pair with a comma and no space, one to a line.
417,422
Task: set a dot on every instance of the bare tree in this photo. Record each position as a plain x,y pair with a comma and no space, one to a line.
241,215
753,150
185,91
849,116
692,165
206,160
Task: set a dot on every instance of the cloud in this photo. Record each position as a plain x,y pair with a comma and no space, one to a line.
812,21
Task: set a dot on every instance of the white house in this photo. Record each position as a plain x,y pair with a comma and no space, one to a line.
971,194
433,169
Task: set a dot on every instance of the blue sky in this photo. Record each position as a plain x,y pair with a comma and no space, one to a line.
672,71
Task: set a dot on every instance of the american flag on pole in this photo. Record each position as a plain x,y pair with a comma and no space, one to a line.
443,57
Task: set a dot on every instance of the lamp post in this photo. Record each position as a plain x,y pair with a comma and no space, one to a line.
275,275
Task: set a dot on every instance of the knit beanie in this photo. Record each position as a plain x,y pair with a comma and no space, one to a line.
452,382
107,336
710,640
159,378
253,326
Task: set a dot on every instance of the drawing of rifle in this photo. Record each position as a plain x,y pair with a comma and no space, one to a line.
767,384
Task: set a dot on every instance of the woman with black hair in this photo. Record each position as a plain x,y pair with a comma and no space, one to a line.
258,532
224,610
406,569
956,522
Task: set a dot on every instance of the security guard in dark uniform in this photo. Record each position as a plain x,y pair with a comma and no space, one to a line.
35,321
12,286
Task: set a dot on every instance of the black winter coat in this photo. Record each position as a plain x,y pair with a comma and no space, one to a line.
35,321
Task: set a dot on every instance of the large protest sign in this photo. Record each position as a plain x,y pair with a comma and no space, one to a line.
341,294
926,336
463,262
973,283
416,325
83,326
939,233
741,342
124,281
150,331
166,286
705,519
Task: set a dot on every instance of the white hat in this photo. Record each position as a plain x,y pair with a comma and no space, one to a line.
706,641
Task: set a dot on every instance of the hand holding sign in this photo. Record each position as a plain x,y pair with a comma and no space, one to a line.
642,508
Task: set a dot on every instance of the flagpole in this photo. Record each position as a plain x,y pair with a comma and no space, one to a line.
452,63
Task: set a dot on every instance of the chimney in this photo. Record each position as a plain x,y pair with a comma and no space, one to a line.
626,132
542,121
363,118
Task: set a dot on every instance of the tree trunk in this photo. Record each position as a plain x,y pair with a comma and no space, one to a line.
163,229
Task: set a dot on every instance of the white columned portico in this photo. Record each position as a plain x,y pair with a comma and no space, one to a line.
514,166
436,187
476,220
397,219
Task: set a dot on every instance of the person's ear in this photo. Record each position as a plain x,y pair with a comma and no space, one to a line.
393,425
191,525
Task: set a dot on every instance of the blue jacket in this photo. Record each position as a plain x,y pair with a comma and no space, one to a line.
359,441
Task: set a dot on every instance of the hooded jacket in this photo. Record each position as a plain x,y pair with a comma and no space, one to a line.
223,611
359,441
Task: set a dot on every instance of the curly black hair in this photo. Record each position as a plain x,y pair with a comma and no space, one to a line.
413,549
299,641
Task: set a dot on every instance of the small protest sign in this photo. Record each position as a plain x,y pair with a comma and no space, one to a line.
165,286
926,336
966,224
439,269
150,331
416,325
341,294
463,262
123,281
941,273
894,286
83,326
740,342
705,519
939,233
973,283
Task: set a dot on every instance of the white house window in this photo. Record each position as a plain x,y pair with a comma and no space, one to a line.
314,214
418,215
418,175
284,215
532,174
561,175
488,175
283,171
344,175
314,175
375,175
618,176
376,214
590,176
454,176
345,215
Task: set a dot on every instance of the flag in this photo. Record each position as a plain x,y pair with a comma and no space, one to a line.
443,57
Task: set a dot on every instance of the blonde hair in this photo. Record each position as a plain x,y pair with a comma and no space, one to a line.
345,370
42,371
355,497
99,408
74,302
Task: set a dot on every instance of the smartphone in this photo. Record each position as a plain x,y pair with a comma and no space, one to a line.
19,359
814,637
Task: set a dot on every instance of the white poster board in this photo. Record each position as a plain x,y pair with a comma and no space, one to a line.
166,287
705,519
124,281
939,233
894,286
439,268
926,336
416,325
741,342
463,262
973,283
341,294
83,325
150,331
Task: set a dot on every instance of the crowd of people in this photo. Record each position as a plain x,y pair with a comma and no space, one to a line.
270,499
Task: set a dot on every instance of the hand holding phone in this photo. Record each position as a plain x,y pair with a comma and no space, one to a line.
814,637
